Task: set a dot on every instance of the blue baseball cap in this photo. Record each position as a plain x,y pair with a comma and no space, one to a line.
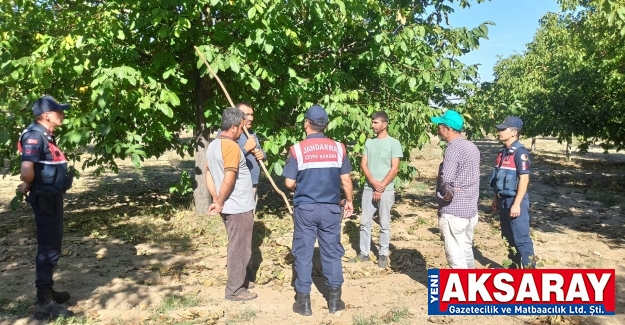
510,122
48,104
317,115
451,118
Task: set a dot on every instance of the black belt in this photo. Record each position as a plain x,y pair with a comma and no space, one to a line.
504,196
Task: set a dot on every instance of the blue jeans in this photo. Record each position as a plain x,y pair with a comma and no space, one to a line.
517,231
314,221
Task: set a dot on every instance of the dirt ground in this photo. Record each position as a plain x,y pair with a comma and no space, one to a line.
133,254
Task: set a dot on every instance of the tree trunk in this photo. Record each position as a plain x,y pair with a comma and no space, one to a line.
201,197
568,148
533,147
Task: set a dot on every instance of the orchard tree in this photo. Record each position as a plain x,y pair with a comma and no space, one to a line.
130,71
568,82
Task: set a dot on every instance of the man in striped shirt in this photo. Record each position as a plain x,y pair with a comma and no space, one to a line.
457,191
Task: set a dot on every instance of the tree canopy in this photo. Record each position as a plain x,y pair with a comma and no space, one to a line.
135,83
568,82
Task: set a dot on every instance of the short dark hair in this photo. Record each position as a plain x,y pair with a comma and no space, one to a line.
518,132
231,117
316,126
38,117
380,116
239,104
449,127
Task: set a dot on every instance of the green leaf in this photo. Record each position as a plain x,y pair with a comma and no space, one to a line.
120,34
104,129
5,137
278,169
426,76
251,13
234,65
412,82
78,69
268,48
255,84
136,160
16,201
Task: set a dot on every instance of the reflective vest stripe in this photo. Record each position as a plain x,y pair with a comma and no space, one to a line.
301,165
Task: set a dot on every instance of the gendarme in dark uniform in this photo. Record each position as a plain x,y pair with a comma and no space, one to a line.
45,179
316,169
510,180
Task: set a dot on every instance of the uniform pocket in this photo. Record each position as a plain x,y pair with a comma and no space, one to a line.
334,209
48,174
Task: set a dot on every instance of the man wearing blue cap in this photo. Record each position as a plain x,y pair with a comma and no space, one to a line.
457,191
315,170
510,180
45,178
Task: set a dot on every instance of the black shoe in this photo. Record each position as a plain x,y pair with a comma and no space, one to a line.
60,297
334,302
382,261
302,305
50,310
360,258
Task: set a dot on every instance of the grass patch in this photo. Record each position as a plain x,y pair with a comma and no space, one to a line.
69,320
365,320
177,302
17,307
609,200
247,315
395,315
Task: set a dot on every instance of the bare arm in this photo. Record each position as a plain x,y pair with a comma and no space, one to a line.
365,170
290,183
210,184
346,181
27,172
27,175
226,187
390,176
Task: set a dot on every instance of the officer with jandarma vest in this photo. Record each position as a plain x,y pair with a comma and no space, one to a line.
45,178
510,181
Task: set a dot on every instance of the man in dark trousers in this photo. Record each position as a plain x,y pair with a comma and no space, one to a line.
510,180
45,179
229,182
315,170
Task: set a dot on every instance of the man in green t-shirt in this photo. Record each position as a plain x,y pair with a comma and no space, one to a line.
380,163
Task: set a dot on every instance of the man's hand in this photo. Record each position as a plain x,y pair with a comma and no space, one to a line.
379,187
250,143
258,154
24,188
215,208
348,209
515,210
377,196
494,204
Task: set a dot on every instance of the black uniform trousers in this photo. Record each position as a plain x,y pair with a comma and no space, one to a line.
49,241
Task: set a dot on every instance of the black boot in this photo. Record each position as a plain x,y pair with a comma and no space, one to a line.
302,305
334,302
46,308
60,297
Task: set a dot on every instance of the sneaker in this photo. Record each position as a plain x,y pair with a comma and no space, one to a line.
243,296
382,261
360,258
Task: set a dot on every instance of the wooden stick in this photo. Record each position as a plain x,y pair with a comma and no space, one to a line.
260,162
